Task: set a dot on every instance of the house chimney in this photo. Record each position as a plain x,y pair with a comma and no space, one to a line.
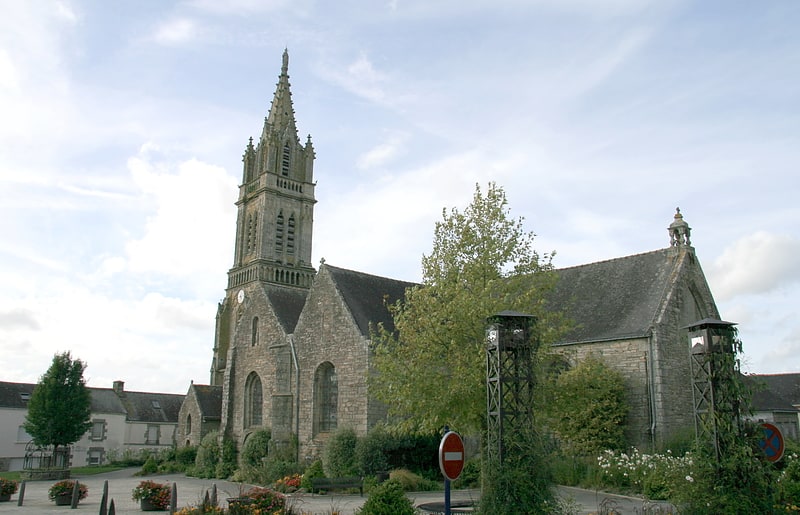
119,387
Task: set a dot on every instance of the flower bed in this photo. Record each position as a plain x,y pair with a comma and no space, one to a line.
152,496
64,488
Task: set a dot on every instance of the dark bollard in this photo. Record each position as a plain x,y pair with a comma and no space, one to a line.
111,509
76,493
173,501
104,499
21,493
214,501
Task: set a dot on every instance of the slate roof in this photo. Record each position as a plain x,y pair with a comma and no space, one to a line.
151,407
137,406
12,394
288,304
368,296
775,392
613,299
105,400
209,399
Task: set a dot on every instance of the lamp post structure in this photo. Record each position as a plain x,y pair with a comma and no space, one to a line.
510,351
715,368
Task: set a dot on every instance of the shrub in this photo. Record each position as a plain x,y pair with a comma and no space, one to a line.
227,463
208,455
471,475
338,458
186,455
256,448
313,470
387,498
371,452
411,482
416,452
788,484
589,408
523,485
150,466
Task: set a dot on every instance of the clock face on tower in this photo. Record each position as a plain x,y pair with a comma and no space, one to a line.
240,296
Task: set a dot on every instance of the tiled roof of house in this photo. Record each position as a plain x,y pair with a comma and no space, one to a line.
613,299
368,296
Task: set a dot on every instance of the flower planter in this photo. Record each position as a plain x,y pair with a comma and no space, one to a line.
63,499
148,505
5,497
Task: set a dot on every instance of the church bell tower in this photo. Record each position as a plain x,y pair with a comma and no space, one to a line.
275,218
276,201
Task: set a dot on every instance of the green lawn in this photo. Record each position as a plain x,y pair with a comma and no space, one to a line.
76,471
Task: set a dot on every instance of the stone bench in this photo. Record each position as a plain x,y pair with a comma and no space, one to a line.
336,483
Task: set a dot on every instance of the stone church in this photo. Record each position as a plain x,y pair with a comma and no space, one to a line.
291,346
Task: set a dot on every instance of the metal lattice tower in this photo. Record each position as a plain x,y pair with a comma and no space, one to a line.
714,369
510,351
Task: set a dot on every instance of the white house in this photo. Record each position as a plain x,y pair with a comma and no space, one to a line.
122,422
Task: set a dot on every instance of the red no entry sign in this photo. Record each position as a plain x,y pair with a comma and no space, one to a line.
772,444
451,455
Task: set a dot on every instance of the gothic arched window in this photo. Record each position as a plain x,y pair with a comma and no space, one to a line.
326,398
253,400
254,333
188,425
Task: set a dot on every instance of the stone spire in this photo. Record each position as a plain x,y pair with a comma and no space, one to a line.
679,231
280,118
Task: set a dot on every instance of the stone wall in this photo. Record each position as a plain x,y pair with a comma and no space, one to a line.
326,332
253,355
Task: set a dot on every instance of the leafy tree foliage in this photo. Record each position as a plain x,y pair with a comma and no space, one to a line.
431,370
59,410
589,408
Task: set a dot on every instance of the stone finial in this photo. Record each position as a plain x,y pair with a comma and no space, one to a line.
285,63
679,231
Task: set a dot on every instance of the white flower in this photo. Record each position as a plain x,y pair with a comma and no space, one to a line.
690,479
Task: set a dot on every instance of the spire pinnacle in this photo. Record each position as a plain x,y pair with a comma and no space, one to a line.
285,65
679,230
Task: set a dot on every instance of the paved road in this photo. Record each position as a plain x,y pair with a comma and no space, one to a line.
191,491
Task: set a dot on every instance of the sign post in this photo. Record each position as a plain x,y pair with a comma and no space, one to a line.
451,462
772,443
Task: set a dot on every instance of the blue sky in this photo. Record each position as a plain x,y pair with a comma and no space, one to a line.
122,126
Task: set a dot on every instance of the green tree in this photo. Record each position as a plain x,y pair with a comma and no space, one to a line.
59,410
431,370
589,407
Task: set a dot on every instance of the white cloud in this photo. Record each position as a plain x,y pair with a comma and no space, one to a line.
382,153
757,263
176,31
193,213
